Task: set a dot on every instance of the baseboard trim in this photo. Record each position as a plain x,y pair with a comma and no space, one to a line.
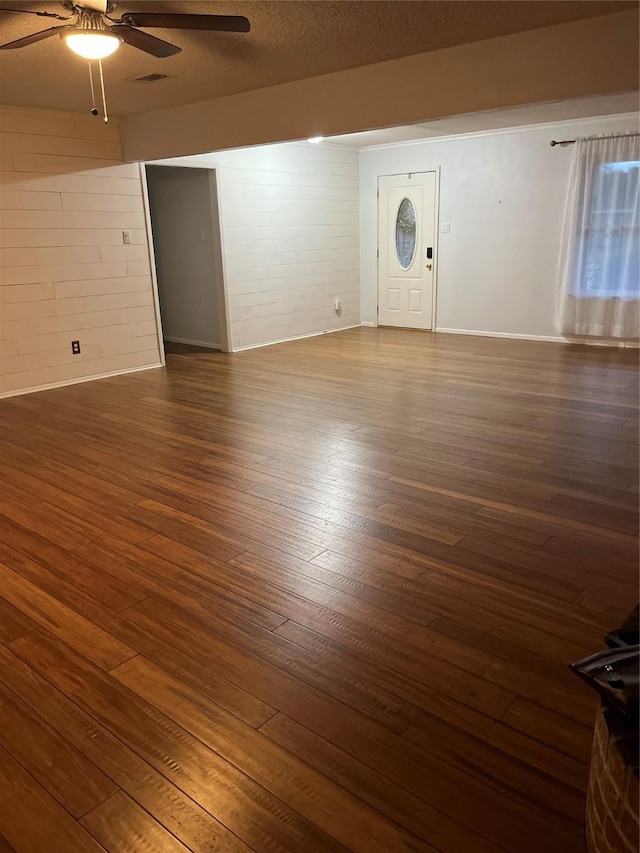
478,333
294,338
189,342
556,339
78,381
368,323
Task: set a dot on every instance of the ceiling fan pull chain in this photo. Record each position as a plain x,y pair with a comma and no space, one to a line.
104,97
94,109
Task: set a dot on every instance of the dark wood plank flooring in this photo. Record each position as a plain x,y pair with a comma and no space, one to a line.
319,596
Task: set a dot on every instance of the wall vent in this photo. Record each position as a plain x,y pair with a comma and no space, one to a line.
149,78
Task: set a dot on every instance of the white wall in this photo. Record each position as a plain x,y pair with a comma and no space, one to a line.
503,194
289,218
183,239
65,274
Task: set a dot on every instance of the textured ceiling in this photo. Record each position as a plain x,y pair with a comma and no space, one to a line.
577,108
288,41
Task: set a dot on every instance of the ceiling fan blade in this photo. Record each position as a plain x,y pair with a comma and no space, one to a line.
144,41
218,23
39,14
32,39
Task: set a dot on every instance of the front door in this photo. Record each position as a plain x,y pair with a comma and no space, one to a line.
406,232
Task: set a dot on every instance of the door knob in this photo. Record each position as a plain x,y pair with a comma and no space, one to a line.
429,265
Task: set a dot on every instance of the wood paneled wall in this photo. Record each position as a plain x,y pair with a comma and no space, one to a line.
289,217
65,274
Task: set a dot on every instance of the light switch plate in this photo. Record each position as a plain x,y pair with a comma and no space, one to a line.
126,236
445,227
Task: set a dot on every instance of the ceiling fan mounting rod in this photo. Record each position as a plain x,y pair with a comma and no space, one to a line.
89,20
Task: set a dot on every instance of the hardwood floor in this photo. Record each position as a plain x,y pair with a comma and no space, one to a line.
319,596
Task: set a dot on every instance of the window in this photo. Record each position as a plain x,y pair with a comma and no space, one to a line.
599,270
406,233
610,233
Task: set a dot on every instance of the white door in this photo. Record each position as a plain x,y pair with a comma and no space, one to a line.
406,247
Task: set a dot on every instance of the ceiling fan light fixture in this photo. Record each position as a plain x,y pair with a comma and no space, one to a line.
91,45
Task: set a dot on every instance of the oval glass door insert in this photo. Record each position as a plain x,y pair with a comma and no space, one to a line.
406,233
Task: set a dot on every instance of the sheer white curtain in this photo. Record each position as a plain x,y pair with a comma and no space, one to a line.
600,258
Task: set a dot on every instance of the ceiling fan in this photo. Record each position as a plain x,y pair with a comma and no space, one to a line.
92,33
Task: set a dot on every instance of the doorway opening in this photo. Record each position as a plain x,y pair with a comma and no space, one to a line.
407,232
183,209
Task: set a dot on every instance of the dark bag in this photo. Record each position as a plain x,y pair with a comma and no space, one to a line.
614,675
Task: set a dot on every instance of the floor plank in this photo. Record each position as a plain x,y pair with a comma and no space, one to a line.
242,805
61,769
187,820
120,825
31,820
290,779
319,596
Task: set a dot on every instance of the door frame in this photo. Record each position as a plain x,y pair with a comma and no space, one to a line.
152,260
216,222
436,247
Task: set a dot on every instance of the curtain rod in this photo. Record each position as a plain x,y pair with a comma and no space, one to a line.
555,142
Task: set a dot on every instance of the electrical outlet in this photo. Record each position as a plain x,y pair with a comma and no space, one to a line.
75,347
126,236
338,306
